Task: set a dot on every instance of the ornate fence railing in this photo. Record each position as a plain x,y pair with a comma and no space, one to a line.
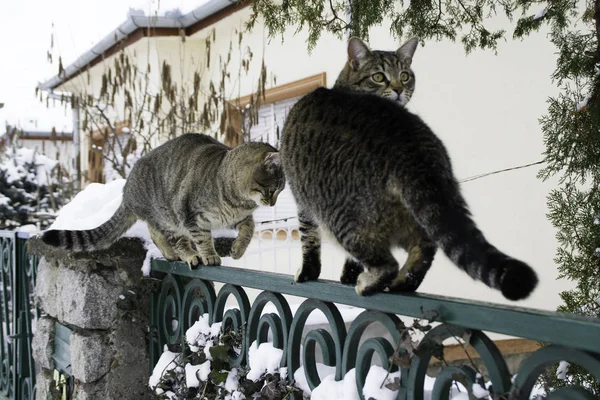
186,294
17,311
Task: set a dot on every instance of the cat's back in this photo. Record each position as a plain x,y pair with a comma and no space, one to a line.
168,165
338,116
187,144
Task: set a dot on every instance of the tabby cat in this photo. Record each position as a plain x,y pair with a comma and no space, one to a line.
183,189
374,176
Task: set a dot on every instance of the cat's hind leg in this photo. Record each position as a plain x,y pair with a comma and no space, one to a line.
380,266
352,268
162,243
420,257
310,237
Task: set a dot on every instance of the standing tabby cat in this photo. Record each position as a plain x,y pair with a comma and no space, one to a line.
184,188
375,176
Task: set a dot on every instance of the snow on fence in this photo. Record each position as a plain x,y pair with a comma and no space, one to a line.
188,296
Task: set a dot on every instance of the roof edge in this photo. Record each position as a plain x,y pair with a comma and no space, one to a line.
137,27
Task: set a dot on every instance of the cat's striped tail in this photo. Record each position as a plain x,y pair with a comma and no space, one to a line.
93,239
446,219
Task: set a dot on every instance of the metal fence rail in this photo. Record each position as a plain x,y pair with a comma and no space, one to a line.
17,312
186,294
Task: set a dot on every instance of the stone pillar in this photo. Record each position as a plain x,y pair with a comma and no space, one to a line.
105,301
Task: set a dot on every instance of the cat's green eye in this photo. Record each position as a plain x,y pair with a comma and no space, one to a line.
378,77
404,76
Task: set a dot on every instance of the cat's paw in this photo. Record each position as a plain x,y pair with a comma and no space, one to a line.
210,259
368,283
238,249
307,274
352,269
192,261
365,285
408,282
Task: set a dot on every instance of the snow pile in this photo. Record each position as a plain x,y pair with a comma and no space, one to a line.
202,369
331,389
196,373
263,359
167,362
95,205
201,334
376,384
561,371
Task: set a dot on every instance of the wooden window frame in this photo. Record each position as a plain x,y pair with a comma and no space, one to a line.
301,87
97,138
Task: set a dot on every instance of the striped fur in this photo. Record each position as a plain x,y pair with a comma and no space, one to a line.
393,67
93,239
185,188
375,176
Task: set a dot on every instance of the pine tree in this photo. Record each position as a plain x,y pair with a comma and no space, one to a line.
571,126
32,188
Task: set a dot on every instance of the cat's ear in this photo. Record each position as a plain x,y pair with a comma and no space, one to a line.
358,51
407,50
272,160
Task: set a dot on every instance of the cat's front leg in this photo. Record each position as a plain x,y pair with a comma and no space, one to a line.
245,232
311,249
202,238
206,248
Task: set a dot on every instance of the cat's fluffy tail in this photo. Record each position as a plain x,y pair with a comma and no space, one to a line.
443,213
93,239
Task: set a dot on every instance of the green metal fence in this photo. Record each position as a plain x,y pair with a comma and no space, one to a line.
186,294
17,313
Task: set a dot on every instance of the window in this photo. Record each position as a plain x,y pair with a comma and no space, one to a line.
272,114
267,128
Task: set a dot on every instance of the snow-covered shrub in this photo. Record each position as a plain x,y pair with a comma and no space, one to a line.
32,188
203,371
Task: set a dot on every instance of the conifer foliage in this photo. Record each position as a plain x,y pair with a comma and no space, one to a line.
32,187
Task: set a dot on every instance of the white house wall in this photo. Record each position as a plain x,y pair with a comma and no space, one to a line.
484,107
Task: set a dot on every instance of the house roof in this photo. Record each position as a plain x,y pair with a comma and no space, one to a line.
137,27
42,135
